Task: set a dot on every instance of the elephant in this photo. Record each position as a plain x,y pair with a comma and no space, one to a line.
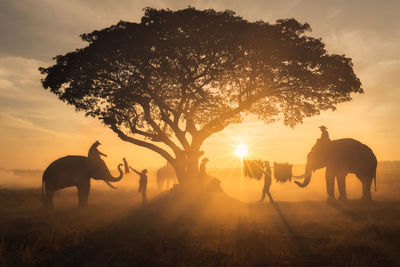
165,175
340,157
76,171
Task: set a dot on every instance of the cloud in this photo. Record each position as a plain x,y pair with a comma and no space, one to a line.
42,29
20,78
13,122
26,107
384,74
34,31
366,47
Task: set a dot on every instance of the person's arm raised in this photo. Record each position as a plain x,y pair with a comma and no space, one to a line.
134,170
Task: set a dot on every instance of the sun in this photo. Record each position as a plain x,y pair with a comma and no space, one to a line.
241,150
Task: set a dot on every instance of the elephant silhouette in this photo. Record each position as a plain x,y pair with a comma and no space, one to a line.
340,157
75,171
165,175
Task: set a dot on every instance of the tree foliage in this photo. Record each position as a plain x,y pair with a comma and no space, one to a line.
179,76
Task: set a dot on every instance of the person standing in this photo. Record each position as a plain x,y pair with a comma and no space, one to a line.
267,182
202,171
142,183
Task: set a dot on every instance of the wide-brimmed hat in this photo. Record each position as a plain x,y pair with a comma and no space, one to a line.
205,160
322,127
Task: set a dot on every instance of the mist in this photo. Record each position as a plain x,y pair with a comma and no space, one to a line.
234,183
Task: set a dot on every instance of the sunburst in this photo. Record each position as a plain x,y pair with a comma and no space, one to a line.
241,150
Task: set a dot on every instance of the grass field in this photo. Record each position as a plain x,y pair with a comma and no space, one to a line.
299,229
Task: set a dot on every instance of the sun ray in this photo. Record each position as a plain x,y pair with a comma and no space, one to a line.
241,151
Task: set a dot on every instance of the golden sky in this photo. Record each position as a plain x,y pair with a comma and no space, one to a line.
35,128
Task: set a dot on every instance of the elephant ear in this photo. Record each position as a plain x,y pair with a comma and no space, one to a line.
319,146
99,169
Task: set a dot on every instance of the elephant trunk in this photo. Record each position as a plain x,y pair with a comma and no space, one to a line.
113,179
306,176
306,181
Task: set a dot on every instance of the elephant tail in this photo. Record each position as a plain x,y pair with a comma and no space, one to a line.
375,181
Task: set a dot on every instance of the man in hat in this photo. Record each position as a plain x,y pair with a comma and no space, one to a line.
324,134
142,183
202,171
94,153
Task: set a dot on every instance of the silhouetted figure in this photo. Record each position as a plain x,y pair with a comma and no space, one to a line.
126,166
202,171
324,134
135,67
341,157
142,183
94,153
165,175
267,181
75,171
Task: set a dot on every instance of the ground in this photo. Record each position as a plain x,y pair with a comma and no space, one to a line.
207,230
217,231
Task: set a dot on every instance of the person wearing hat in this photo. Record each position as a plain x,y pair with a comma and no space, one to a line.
94,153
324,134
202,171
142,183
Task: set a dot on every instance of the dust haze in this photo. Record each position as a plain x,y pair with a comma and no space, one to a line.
234,183
234,229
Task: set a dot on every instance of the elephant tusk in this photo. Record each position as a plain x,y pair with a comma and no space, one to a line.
110,185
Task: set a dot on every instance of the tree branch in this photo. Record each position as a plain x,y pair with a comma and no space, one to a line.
138,142
174,124
219,123
161,134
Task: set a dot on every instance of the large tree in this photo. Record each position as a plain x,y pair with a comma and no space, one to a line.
177,77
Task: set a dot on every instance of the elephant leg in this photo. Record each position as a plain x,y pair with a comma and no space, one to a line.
341,180
163,183
83,193
159,185
48,200
330,184
366,187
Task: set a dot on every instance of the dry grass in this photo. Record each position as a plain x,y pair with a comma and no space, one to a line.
206,230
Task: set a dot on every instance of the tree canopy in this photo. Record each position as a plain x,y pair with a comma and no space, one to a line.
177,77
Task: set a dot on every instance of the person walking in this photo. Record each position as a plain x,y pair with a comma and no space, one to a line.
267,182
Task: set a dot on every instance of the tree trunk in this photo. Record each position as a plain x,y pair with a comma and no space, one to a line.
179,168
187,168
187,171
192,164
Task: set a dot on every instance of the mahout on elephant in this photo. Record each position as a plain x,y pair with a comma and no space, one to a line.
341,157
76,171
